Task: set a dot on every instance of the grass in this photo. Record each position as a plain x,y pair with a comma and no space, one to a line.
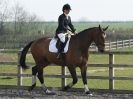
9,39
92,71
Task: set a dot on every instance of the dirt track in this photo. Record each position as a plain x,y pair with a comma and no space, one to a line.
38,94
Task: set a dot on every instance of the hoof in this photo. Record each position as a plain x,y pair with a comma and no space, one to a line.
48,92
66,88
89,93
31,88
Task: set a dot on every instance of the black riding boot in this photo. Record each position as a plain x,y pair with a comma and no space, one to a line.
60,50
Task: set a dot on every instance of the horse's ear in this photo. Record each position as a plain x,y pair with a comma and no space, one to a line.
104,29
100,28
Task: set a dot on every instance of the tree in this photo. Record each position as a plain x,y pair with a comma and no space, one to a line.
23,21
32,23
19,17
4,14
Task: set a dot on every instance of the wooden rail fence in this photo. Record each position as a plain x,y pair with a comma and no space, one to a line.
119,44
111,65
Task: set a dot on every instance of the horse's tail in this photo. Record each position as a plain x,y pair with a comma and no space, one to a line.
23,56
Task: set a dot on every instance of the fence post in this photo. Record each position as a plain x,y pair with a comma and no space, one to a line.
122,43
19,82
109,45
111,72
129,42
63,72
95,48
116,44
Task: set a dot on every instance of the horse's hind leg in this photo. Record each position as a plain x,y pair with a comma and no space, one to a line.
74,77
41,79
34,72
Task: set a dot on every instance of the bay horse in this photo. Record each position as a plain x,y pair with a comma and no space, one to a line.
77,56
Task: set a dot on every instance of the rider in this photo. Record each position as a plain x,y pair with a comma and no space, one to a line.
64,21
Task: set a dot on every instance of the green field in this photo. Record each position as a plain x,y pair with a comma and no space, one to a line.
92,71
9,39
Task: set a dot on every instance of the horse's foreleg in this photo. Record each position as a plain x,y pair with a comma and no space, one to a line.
84,78
34,72
74,77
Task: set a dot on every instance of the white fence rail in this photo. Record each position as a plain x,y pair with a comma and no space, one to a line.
116,45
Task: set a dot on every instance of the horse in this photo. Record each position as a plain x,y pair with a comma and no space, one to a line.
76,56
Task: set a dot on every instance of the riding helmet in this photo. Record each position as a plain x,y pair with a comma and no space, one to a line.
66,7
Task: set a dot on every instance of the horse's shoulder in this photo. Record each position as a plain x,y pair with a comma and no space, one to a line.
73,39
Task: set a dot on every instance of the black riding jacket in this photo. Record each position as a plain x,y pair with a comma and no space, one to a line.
63,24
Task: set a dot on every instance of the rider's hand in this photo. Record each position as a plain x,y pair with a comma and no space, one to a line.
75,33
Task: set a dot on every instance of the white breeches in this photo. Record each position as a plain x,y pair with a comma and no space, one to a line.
61,37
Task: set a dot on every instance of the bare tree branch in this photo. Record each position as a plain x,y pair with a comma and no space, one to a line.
23,21
4,14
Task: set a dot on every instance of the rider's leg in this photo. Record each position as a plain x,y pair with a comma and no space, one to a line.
60,50
61,37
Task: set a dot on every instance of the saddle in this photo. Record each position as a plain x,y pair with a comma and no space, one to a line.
55,43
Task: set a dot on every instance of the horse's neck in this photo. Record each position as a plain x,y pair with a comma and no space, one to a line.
85,41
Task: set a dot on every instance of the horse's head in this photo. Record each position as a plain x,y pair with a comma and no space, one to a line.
99,38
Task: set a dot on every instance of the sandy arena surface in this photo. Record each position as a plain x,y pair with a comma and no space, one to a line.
39,94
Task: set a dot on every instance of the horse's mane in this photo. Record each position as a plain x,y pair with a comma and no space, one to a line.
88,29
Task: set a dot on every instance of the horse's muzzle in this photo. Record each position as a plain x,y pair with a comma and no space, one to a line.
101,50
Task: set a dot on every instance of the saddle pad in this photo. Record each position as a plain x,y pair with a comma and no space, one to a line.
52,46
